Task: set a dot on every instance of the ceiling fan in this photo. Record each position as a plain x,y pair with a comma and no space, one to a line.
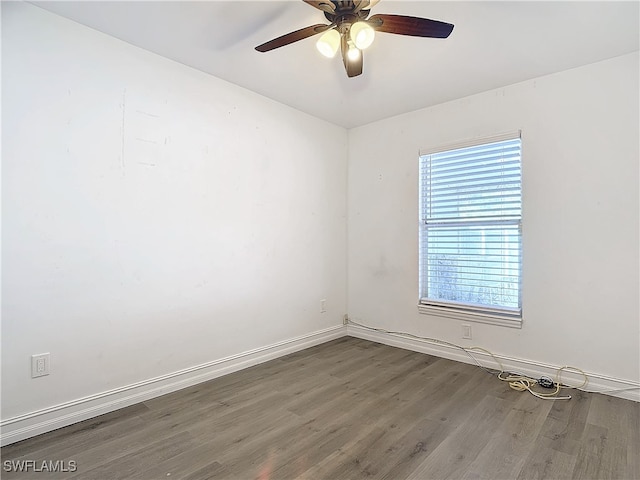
351,31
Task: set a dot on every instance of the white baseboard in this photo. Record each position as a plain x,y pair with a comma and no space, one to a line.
596,382
44,420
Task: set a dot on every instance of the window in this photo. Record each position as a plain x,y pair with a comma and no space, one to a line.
470,231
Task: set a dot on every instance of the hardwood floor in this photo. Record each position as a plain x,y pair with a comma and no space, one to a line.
351,409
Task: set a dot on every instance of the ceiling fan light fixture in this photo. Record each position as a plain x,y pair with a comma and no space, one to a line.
362,34
353,53
328,43
352,30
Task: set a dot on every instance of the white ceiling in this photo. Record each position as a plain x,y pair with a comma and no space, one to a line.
493,44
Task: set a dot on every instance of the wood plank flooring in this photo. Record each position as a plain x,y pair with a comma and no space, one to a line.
349,409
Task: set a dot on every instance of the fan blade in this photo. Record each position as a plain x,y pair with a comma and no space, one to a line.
353,67
414,26
292,37
360,5
324,5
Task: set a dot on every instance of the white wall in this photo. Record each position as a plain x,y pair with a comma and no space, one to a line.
154,217
580,131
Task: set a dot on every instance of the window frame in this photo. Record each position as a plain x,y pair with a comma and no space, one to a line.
507,317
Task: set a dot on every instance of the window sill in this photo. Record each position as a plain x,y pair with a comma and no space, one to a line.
468,316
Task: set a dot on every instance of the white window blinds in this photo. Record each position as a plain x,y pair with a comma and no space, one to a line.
470,236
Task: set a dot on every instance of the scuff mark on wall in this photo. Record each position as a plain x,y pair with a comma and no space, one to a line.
145,140
147,113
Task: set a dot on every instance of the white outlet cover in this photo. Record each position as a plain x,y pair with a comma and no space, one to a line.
466,331
40,365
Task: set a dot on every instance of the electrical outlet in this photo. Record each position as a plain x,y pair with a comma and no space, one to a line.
466,331
40,365
323,306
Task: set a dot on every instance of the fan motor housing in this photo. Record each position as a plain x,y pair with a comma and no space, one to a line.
346,16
